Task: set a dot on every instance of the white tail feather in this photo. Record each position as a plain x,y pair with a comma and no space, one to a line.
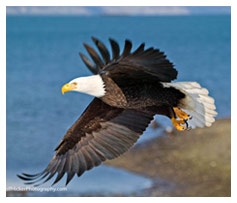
197,103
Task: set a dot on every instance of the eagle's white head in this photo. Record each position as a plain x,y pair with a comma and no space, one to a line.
92,85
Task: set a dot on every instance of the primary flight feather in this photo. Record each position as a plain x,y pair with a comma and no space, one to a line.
129,89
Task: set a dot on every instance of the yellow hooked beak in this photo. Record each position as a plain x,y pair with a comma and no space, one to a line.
68,87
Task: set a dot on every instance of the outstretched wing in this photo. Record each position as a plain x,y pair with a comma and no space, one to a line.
142,64
102,132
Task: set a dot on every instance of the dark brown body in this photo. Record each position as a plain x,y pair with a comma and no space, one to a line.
143,95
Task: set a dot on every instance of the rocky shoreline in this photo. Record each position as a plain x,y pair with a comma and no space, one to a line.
191,163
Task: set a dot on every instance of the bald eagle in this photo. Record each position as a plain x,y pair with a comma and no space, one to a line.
129,90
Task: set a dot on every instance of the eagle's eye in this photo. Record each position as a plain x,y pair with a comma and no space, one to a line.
74,84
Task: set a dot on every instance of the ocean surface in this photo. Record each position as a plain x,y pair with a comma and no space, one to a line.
42,55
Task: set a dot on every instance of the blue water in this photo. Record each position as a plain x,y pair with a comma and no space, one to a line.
42,55
102,180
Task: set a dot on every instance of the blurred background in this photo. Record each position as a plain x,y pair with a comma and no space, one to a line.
42,55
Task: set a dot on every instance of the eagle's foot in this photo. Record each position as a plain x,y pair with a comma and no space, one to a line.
181,114
178,124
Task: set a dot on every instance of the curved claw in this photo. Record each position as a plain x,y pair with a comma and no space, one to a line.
186,123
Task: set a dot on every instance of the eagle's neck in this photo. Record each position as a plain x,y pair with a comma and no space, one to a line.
92,85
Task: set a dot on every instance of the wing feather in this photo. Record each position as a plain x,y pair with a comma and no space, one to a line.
94,69
82,166
139,50
127,48
103,50
142,64
115,49
96,58
111,133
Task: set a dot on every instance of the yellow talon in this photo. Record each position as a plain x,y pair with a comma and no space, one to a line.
181,114
177,124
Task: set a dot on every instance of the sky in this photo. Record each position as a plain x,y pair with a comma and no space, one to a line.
117,10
